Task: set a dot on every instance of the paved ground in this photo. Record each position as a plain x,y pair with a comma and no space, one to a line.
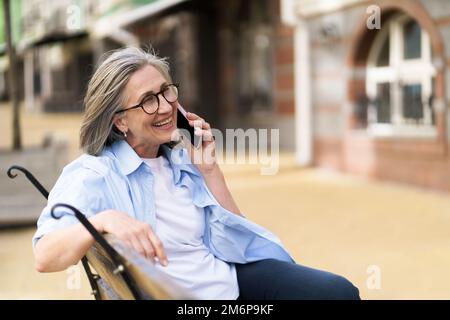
392,241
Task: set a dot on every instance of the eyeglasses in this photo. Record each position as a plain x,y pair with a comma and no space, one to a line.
150,103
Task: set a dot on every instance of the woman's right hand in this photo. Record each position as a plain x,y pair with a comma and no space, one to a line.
136,234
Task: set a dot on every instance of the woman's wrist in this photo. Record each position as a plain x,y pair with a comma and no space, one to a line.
214,170
97,222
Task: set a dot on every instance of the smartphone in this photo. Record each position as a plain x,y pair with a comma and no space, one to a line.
188,132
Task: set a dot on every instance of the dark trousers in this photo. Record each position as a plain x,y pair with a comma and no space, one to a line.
273,279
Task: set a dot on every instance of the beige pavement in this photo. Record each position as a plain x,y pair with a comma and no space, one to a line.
391,240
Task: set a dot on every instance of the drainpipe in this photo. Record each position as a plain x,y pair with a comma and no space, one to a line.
303,112
290,15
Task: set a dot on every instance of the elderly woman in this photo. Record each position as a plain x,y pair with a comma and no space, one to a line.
178,213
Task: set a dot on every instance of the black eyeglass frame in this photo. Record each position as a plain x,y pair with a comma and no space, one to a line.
141,104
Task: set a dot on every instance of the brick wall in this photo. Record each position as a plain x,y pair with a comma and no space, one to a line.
340,140
284,66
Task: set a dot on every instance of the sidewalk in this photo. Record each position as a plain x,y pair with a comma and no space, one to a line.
346,225
36,126
355,227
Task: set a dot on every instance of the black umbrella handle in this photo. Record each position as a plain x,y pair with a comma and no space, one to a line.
30,177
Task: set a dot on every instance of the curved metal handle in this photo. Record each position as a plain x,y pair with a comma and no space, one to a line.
30,177
85,222
113,254
44,192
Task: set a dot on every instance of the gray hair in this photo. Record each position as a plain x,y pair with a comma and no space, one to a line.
105,95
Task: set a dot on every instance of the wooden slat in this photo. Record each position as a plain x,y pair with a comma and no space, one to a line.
152,283
105,269
106,293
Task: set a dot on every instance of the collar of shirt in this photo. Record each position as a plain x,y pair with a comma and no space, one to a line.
130,161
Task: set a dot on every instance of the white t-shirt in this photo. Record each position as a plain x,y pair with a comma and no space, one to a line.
180,226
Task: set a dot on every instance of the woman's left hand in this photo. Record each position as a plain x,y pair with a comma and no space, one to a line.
205,160
203,157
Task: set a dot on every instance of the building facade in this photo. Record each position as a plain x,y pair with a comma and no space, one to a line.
233,59
377,88
354,85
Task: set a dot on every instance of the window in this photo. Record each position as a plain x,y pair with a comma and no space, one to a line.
255,67
400,80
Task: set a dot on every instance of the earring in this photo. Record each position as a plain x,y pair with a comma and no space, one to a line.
125,134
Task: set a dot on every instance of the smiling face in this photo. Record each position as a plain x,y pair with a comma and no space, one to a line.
145,133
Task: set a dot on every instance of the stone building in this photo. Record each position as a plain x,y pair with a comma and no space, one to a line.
233,59
372,87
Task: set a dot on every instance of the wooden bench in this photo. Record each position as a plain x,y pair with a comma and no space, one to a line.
136,278
121,272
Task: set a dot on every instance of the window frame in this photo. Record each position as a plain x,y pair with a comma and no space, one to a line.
397,73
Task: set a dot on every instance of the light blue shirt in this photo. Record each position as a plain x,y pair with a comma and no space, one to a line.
119,179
